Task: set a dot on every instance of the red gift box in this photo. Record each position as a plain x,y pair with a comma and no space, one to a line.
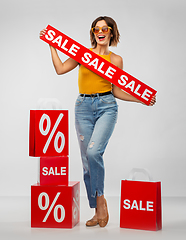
55,206
48,134
141,205
54,170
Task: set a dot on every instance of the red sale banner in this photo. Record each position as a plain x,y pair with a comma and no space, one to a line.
99,65
48,134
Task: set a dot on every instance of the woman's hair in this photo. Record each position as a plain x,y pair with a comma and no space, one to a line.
114,31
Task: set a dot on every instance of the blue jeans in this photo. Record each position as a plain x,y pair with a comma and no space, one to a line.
95,118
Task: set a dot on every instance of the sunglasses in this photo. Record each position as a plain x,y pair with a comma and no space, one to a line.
104,29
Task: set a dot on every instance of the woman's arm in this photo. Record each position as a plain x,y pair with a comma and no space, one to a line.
120,94
117,92
60,67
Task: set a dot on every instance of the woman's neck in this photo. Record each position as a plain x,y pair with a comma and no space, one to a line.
101,50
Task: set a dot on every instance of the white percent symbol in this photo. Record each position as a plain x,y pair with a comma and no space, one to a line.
57,207
58,135
76,201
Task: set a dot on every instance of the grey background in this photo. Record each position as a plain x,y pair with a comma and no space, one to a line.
153,48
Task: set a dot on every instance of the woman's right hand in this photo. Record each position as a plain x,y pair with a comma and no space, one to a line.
42,32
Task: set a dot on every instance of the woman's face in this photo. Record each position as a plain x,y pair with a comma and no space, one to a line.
102,38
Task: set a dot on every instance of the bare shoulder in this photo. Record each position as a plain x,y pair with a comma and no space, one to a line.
116,60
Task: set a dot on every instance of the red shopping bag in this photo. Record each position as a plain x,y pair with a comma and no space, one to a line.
140,204
54,170
48,135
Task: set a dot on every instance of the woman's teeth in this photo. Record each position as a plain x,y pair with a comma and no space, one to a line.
101,37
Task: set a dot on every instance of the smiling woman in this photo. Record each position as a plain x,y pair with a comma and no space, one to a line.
111,24
96,108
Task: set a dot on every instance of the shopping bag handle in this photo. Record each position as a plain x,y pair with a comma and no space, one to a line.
134,171
49,104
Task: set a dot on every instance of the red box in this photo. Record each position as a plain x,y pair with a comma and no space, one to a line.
55,206
54,170
140,205
48,133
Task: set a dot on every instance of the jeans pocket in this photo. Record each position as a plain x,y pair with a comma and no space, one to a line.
79,100
108,99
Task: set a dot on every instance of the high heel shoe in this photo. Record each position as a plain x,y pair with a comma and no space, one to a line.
103,221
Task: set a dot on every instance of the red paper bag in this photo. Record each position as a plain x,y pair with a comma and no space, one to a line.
54,170
48,136
140,205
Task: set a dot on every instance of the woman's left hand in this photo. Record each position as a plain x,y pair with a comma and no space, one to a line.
153,101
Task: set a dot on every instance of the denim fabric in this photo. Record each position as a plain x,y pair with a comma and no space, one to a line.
95,118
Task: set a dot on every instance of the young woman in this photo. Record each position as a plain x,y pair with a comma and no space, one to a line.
95,112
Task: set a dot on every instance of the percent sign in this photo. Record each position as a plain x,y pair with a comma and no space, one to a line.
76,209
43,194
58,135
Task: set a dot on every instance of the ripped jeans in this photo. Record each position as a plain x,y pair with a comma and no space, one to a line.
95,118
